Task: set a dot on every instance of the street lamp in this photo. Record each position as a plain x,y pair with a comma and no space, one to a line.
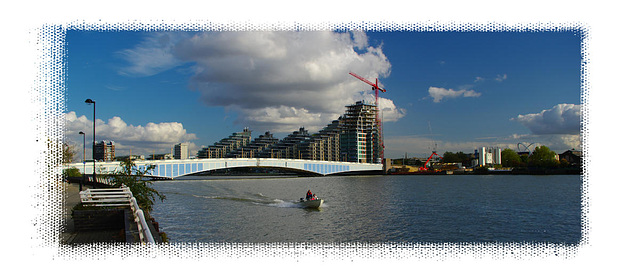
93,148
84,167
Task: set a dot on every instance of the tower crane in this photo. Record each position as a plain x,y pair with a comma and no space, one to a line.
376,88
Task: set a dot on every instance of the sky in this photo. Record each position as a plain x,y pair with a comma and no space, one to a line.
446,91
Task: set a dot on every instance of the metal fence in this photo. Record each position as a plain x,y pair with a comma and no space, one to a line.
115,197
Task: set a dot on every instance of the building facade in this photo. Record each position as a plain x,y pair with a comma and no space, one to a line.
360,139
226,146
325,145
291,147
489,156
181,151
255,147
104,151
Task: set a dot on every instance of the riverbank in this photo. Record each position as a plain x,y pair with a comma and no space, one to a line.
524,171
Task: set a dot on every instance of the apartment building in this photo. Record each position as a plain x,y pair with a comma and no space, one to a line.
104,151
224,147
181,151
360,139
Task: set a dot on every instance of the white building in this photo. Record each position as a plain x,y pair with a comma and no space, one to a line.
489,156
181,151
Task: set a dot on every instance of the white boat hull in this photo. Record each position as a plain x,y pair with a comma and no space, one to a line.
312,203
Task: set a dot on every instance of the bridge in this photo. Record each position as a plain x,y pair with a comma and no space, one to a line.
170,169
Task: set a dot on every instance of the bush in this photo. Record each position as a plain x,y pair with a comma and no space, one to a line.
71,172
131,176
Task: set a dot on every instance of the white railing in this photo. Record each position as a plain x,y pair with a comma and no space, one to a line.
119,197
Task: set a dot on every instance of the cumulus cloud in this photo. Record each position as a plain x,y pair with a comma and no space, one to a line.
561,119
438,93
141,139
389,111
276,81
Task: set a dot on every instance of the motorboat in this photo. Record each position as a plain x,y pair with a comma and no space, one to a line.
311,203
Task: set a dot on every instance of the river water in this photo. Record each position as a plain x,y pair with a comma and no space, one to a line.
373,209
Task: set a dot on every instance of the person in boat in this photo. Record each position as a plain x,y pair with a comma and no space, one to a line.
314,197
309,195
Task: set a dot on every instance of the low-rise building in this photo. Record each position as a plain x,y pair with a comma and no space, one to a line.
572,156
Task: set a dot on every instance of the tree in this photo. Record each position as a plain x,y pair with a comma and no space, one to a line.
67,153
459,157
510,158
132,176
543,157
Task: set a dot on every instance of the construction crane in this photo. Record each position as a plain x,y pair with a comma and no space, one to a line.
376,88
425,168
435,146
373,86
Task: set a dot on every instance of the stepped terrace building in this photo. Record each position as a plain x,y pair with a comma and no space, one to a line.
224,147
354,137
291,147
254,148
325,145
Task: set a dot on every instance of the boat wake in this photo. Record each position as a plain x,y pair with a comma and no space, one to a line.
256,199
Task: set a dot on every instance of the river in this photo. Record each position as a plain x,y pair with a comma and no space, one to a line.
373,209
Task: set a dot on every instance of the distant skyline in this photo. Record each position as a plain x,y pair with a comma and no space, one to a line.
448,91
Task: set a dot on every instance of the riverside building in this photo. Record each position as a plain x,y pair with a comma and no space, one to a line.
291,147
104,151
254,148
360,139
354,137
225,146
489,156
181,151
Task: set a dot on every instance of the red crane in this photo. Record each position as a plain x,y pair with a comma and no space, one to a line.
373,86
379,123
425,168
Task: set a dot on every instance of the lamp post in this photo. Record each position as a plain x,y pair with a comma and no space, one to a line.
84,167
93,147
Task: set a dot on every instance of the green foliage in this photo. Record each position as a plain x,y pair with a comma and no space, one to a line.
543,157
132,176
459,157
71,172
510,158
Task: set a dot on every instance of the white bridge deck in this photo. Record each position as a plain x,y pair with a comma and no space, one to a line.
178,168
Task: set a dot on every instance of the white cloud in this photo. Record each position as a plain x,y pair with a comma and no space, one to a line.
438,93
390,113
501,78
152,56
561,119
140,139
275,81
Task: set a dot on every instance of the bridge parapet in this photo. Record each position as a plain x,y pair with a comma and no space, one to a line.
178,168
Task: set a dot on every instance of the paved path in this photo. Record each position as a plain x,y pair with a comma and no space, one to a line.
69,235
71,198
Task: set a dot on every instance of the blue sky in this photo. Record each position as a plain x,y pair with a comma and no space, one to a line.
154,89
